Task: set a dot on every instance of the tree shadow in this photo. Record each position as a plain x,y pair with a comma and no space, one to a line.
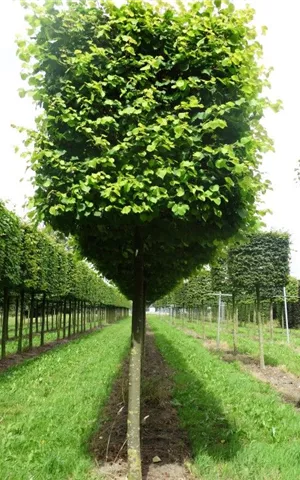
201,412
181,419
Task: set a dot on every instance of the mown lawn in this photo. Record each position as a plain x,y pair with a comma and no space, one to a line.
238,427
49,407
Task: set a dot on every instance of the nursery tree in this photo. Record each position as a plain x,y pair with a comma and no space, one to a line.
292,293
260,267
221,281
10,263
149,134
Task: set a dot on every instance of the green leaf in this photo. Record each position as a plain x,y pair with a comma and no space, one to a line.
179,129
180,192
22,92
180,210
151,147
53,210
47,183
181,84
126,209
161,173
221,163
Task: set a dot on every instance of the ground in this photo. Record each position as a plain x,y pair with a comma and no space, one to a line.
165,446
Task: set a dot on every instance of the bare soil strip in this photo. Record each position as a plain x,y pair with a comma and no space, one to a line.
18,358
165,448
286,383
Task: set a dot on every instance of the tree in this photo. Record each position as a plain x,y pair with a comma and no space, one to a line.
260,267
10,258
221,281
149,138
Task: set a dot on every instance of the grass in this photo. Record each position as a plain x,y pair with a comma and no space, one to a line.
277,353
238,427
50,407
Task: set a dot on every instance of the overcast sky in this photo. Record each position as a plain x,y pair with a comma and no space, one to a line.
281,50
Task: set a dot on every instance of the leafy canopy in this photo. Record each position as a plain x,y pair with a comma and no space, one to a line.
150,118
32,260
262,262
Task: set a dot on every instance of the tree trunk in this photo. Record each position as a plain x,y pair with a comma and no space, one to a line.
235,315
43,319
30,337
260,330
47,316
52,316
271,322
5,320
64,318
74,317
203,320
17,317
78,318
22,299
82,317
70,319
219,320
144,319
134,389
58,319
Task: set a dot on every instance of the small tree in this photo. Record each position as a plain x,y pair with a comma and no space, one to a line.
149,139
221,281
260,267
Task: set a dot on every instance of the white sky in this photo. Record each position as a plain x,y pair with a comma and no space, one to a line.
281,50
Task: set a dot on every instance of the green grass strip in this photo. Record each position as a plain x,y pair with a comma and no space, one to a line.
277,353
238,427
49,407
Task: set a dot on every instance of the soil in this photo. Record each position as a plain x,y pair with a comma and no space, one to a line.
161,434
287,384
18,358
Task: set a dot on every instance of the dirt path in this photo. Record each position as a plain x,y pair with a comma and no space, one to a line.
286,383
162,436
18,358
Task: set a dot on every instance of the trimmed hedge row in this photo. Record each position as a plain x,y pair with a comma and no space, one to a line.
39,278
31,260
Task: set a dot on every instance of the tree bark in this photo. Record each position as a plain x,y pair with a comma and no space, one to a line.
271,322
22,299
17,317
144,319
260,330
235,324
47,316
74,317
134,389
58,319
64,317
30,337
70,319
43,319
5,320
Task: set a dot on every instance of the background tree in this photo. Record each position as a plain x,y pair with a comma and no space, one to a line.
259,267
149,137
36,271
221,282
